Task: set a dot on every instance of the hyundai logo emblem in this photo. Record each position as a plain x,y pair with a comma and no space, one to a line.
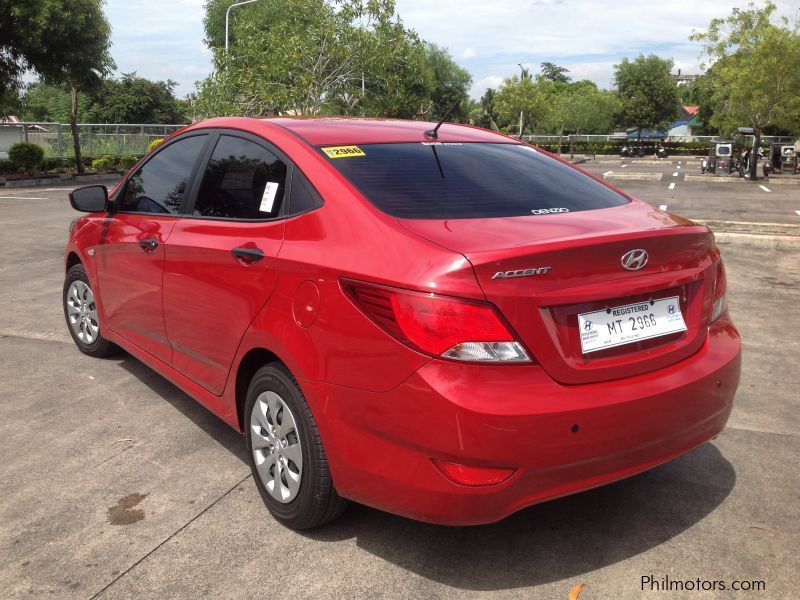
634,259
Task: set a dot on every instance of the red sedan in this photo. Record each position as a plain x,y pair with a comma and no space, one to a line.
445,324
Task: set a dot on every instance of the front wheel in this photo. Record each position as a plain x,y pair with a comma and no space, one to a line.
80,311
285,452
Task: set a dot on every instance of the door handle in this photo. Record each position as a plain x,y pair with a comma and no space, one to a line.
248,255
148,245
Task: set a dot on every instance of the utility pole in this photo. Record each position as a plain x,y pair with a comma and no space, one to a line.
227,18
522,76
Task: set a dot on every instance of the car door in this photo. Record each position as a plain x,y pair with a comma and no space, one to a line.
221,259
130,257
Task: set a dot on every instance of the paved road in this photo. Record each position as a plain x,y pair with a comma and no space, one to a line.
116,483
763,201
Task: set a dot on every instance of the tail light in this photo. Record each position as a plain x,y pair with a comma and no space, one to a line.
438,325
720,296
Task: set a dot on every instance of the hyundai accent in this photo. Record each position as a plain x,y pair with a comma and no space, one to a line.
440,322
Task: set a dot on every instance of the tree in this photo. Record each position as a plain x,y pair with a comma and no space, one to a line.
450,83
483,113
352,57
553,72
22,45
755,77
581,107
647,91
525,99
313,56
68,47
132,99
49,103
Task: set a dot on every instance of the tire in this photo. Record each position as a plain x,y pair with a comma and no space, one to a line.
80,312
285,452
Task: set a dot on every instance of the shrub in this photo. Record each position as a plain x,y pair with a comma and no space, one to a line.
127,162
28,156
7,166
154,144
104,163
56,163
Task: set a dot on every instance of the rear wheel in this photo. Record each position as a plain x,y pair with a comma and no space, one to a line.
80,311
285,451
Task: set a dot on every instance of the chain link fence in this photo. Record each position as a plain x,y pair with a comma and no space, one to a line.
115,139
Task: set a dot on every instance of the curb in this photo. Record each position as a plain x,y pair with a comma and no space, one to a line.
635,176
756,240
759,235
768,181
713,178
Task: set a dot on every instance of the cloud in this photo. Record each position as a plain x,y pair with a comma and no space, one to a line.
480,86
164,38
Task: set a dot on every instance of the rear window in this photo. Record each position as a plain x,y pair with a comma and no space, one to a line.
468,181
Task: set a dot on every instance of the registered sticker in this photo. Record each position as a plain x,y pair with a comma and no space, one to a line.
343,151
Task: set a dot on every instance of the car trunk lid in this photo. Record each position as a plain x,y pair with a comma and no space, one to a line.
543,271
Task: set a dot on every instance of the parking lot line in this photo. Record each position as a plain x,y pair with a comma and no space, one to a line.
765,188
21,198
797,211
675,174
672,185
679,166
662,207
623,166
607,173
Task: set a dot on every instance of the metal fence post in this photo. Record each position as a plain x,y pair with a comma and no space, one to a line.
91,145
144,141
116,140
60,141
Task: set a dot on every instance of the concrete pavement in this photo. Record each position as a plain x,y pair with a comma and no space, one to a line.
116,484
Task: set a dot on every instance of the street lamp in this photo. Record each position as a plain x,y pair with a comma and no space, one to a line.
522,76
227,18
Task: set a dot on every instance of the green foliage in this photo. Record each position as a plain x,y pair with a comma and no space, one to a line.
523,95
154,144
554,73
25,155
755,78
647,91
127,162
132,99
7,167
581,107
309,57
450,83
483,113
51,104
104,163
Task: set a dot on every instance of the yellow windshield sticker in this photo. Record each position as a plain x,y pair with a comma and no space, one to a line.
343,151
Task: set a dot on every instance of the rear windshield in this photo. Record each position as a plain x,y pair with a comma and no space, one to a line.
467,181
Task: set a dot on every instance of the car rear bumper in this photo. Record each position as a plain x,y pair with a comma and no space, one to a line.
559,439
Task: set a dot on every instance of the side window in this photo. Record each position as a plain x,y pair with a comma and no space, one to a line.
243,180
303,197
160,184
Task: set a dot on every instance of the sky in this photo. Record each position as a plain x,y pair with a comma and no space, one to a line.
163,39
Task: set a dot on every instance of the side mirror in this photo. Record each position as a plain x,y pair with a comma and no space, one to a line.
90,199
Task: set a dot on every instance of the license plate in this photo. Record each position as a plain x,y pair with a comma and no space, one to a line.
631,323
